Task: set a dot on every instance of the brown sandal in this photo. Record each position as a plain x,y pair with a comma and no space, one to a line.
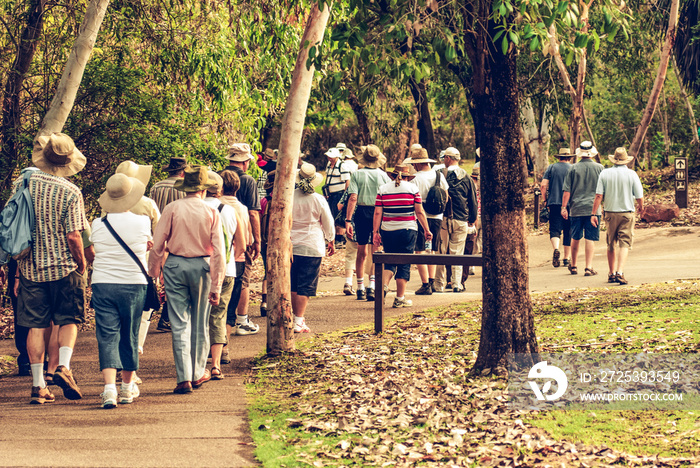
590,272
216,374
573,270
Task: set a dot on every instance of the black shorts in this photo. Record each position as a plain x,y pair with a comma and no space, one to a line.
364,224
61,301
557,224
304,274
434,225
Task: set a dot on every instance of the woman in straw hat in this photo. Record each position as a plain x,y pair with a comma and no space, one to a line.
119,286
398,206
312,233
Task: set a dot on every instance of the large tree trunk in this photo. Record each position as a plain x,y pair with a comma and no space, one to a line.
63,100
280,324
426,136
536,137
658,82
11,118
507,322
362,121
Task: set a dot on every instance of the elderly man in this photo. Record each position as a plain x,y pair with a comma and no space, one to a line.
51,283
337,181
579,191
193,272
239,158
618,188
551,186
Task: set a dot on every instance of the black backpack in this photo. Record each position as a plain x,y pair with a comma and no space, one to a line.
436,199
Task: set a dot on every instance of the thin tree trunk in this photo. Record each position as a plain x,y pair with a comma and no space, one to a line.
11,117
536,137
280,325
588,128
658,82
426,136
664,129
691,113
507,321
361,117
63,100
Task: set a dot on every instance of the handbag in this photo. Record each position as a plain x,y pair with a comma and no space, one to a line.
544,214
152,298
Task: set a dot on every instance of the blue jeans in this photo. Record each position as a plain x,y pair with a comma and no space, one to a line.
118,310
187,284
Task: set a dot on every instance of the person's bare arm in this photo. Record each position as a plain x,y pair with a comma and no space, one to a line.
596,204
544,186
352,203
564,202
376,225
75,244
423,220
640,205
255,226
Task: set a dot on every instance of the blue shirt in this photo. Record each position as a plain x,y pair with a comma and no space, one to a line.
555,174
620,186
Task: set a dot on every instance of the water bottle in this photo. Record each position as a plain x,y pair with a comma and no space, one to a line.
428,245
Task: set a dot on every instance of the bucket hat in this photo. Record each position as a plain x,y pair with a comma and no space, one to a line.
372,157
239,152
620,158
57,155
219,182
307,172
176,164
565,153
586,150
138,171
196,179
121,193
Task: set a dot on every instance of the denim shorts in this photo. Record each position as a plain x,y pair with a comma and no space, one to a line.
557,224
581,227
400,241
304,275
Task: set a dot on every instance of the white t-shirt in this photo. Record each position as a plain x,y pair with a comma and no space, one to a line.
228,221
426,179
312,224
112,263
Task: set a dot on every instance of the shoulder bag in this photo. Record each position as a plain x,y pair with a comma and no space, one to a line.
152,299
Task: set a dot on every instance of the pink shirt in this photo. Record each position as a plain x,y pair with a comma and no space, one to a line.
190,228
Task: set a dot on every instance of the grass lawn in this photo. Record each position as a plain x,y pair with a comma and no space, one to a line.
406,397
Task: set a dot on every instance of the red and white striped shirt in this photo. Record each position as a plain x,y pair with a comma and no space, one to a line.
398,204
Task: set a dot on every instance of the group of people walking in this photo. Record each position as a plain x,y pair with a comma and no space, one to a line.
576,196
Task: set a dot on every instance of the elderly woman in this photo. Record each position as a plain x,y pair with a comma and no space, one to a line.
397,207
313,231
119,285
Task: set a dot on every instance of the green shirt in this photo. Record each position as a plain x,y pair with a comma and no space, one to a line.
581,182
365,183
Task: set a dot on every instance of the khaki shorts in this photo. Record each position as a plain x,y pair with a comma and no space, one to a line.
620,229
217,317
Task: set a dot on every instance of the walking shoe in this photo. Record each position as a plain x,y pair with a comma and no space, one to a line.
225,358
247,328
386,289
402,303
370,294
347,290
555,258
109,399
457,290
301,327
620,277
163,325
41,396
472,271
424,290
200,381
612,278
127,396
565,262
183,387
64,378
432,287
263,309
361,295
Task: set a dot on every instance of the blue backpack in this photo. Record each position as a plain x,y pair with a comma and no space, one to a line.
17,222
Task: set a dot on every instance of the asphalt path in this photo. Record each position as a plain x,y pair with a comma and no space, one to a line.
210,427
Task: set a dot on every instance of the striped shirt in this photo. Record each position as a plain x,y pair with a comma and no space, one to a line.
398,205
59,209
163,192
336,176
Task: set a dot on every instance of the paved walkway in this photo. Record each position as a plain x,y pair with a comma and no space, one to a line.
209,427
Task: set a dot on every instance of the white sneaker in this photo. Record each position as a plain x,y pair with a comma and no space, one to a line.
126,396
402,303
109,399
301,327
248,328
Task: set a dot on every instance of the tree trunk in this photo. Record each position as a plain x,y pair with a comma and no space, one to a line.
361,117
63,100
507,322
536,137
691,113
280,324
11,118
426,136
658,82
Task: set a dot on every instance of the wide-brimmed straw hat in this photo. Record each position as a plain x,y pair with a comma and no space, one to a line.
452,153
121,193
307,172
620,158
57,155
138,171
565,153
372,157
196,179
239,152
176,164
407,172
417,155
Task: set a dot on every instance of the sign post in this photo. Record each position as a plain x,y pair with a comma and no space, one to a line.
681,181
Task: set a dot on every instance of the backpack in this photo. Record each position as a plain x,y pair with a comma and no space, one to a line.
436,199
17,222
462,204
